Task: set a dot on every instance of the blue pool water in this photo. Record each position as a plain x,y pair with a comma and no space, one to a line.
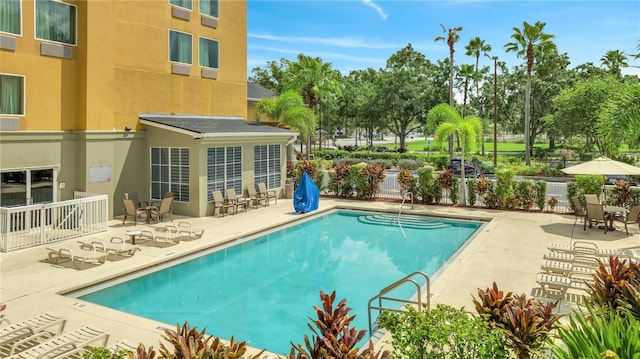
263,290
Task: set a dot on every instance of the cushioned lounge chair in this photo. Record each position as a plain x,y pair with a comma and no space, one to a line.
76,254
267,193
116,245
60,346
41,323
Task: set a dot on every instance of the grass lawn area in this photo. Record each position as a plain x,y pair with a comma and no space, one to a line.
488,146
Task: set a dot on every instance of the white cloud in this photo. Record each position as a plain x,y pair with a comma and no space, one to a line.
376,7
337,42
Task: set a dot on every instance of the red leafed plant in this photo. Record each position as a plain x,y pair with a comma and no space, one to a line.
332,337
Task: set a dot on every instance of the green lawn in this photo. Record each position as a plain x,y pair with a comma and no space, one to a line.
488,146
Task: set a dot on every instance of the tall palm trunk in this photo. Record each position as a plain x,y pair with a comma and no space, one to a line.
527,108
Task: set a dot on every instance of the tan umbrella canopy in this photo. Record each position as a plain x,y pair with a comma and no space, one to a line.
602,166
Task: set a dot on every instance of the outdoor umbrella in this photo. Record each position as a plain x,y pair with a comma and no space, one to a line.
602,166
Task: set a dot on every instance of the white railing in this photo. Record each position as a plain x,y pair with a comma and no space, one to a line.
390,188
38,224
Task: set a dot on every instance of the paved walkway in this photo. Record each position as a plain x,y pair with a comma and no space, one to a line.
507,250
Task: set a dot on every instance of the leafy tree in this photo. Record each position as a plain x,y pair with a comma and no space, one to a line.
449,124
357,103
527,41
577,109
271,76
405,92
614,60
619,120
314,79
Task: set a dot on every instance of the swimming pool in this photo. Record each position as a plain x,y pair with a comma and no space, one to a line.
263,290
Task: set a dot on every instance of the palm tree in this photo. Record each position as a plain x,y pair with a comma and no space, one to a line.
527,42
451,123
277,109
315,80
289,110
465,72
477,47
451,39
614,60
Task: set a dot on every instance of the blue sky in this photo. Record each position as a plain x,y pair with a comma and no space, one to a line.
357,34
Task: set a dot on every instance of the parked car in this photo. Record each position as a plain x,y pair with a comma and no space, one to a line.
472,168
612,179
380,149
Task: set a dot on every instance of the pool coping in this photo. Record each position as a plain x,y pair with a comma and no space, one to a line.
507,250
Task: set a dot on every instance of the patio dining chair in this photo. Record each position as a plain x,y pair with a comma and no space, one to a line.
165,208
629,218
267,193
254,197
596,213
130,210
237,202
578,208
219,202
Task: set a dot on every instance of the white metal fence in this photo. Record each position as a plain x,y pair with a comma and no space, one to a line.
28,226
391,189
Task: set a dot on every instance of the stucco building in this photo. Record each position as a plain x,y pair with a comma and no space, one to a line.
116,96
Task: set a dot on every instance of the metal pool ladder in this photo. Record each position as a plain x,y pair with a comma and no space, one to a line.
409,279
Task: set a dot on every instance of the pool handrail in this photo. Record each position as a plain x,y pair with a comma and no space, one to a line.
407,279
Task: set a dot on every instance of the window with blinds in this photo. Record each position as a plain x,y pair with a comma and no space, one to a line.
170,173
267,165
224,169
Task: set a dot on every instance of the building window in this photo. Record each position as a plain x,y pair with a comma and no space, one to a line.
56,21
180,47
11,95
224,169
170,173
10,17
209,53
267,165
182,3
210,7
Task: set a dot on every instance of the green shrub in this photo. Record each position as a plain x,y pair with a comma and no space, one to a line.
525,193
504,188
439,162
590,184
428,186
471,191
409,164
442,332
541,194
593,335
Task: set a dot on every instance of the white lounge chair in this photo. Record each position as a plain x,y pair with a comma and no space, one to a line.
587,248
187,229
116,246
41,323
75,254
60,346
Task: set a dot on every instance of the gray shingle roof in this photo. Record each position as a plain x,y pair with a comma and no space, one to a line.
256,92
211,126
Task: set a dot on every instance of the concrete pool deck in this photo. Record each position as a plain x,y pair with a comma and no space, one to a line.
508,249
